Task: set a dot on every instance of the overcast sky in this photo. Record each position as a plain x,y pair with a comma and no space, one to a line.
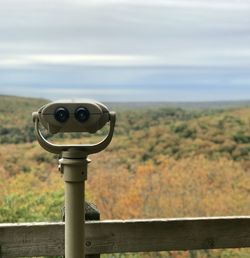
126,50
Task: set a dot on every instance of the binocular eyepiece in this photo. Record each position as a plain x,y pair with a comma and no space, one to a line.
81,114
62,114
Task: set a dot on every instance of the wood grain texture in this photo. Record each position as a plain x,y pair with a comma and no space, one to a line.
37,239
31,239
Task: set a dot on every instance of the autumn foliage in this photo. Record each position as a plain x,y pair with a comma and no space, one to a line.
172,188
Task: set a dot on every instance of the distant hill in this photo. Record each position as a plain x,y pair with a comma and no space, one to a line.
15,118
179,131
17,110
183,105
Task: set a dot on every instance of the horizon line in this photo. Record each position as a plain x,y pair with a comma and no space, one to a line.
143,101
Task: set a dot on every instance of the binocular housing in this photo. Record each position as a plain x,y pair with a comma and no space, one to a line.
73,116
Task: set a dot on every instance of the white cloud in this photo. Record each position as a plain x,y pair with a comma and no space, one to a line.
128,27
194,57
224,4
43,36
73,59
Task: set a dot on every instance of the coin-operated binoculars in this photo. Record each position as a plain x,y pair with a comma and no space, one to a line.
74,116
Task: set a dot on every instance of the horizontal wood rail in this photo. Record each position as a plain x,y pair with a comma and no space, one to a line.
116,236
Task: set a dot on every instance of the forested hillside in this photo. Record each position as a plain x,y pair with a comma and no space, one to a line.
162,162
15,114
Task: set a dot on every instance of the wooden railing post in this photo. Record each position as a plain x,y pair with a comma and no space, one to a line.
91,213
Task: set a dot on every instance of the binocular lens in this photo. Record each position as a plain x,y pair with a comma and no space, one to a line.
61,114
81,114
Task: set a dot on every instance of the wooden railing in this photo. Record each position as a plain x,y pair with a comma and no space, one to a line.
116,236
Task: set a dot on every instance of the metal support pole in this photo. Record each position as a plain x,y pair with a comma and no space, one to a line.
74,168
